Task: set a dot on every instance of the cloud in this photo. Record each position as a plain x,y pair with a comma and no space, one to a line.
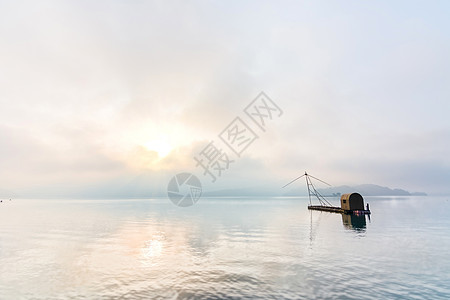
84,86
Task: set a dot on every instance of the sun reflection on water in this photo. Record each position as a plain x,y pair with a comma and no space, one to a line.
152,248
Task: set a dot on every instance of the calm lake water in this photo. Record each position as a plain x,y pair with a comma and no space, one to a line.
223,248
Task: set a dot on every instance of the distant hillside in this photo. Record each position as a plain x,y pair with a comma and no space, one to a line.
7,194
364,189
368,190
246,192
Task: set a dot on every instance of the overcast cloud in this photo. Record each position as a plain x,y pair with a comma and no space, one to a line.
86,88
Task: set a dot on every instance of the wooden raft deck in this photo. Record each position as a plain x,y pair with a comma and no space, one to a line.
338,210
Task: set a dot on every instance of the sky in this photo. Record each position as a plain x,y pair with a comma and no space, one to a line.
113,98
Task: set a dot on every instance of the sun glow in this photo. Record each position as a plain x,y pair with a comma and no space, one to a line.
161,147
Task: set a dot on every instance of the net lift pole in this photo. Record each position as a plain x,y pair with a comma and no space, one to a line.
312,191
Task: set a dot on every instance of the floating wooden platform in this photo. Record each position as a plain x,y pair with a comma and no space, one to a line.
338,210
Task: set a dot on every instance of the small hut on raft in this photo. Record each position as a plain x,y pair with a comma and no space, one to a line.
352,201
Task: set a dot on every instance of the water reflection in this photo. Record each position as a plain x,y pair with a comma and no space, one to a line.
152,248
354,222
313,229
224,248
351,222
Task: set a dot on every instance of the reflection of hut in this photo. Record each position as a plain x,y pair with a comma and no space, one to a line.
353,201
354,221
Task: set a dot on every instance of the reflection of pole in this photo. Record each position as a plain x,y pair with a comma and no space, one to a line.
310,229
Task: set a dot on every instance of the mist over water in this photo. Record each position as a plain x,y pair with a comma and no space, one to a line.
271,248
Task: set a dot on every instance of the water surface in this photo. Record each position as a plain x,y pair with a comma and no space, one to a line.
235,248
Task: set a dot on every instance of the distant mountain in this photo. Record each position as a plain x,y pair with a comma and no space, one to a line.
7,194
368,190
246,192
363,189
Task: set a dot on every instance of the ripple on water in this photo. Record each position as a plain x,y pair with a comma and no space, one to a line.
220,250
